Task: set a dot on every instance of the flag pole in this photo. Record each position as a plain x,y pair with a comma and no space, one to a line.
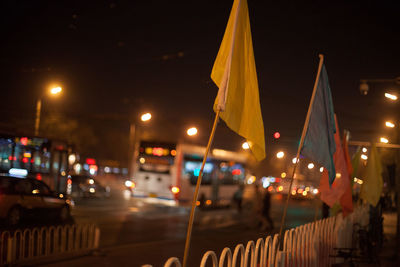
196,192
321,61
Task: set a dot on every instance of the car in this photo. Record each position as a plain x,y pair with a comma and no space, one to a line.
28,198
86,186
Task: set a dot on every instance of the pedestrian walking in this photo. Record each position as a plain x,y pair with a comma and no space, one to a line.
238,198
267,223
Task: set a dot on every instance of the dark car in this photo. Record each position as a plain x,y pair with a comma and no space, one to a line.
22,198
87,186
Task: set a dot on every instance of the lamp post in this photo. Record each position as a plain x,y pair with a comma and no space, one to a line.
134,140
53,91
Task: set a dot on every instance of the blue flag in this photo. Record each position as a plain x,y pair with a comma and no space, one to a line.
319,142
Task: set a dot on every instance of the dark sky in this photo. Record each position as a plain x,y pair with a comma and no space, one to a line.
118,58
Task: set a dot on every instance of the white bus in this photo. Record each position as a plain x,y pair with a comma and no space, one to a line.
169,172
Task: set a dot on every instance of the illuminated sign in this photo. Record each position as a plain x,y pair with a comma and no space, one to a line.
90,161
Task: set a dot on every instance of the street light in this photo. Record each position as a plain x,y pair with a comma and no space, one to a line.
389,124
280,154
391,96
146,116
191,131
364,87
245,146
384,140
53,91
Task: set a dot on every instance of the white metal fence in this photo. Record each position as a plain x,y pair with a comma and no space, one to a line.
39,243
308,245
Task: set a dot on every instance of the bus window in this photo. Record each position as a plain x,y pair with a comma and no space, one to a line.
5,154
22,157
231,173
56,161
192,170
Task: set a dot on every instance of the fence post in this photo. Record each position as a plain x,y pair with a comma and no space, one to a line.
10,250
96,238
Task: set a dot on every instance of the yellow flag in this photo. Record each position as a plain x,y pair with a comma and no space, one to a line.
234,72
371,188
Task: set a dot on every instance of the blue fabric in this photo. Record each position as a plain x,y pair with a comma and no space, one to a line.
319,142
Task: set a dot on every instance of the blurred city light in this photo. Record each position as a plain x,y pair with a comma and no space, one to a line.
391,96
277,135
321,169
251,179
280,154
192,131
384,140
364,157
145,116
364,150
283,174
55,90
245,145
310,165
389,124
294,160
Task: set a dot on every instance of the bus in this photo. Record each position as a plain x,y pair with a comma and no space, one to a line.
170,171
38,157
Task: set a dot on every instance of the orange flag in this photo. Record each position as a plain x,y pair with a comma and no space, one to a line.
332,194
346,201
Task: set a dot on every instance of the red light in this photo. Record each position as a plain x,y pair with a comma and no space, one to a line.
277,135
158,151
236,172
69,181
10,158
39,176
24,141
25,160
32,161
90,161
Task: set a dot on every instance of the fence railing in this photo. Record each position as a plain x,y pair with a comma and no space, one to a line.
38,243
308,245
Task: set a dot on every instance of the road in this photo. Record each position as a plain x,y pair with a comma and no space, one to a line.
134,232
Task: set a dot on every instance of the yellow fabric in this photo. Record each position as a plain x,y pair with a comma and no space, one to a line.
371,188
242,112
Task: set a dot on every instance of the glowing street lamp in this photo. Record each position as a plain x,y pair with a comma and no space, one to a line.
192,131
245,146
145,117
384,140
391,96
53,91
280,154
310,166
389,124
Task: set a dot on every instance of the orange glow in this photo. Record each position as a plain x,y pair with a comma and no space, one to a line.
197,203
175,189
173,152
208,202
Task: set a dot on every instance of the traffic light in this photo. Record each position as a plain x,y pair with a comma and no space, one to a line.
277,135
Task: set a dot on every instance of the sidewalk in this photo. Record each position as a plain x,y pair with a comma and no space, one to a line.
388,253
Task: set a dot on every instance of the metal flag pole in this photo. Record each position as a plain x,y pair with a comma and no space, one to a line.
321,61
196,192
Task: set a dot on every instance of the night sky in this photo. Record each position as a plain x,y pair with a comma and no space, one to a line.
115,59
